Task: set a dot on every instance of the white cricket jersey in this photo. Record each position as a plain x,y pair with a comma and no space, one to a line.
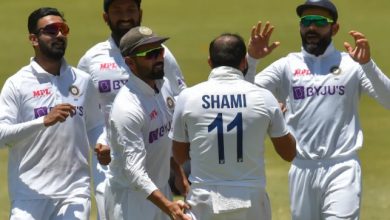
322,95
109,73
140,120
225,120
48,162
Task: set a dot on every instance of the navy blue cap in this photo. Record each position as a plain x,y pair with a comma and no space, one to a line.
323,4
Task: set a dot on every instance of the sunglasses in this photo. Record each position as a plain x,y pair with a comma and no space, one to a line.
317,20
54,28
150,54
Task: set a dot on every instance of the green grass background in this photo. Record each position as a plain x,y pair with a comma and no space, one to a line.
191,26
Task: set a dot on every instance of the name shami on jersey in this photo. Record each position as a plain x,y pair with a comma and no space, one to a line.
224,101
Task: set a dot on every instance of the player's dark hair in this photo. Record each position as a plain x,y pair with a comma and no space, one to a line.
40,13
227,50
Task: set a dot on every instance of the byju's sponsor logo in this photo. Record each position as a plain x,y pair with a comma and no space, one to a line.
108,85
39,112
301,92
42,111
159,132
104,86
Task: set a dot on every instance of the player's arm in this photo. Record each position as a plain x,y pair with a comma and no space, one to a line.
285,146
378,84
11,129
180,153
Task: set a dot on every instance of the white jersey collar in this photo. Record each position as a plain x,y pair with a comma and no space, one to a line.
137,83
226,72
113,45
37,69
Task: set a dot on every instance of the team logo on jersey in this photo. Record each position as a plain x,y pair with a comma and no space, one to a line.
335,70
170,103
74,90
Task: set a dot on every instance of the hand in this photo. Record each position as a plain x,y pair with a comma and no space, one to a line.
361,52
59,114
258,46
103,154
177,209
282,107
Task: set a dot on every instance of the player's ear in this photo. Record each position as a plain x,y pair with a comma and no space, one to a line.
210,62
131,64
335,28
33,39
105,17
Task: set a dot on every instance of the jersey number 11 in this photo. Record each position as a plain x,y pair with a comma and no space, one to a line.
218,124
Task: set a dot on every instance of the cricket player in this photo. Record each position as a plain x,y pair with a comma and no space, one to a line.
221,125
109,72
140,120
49,117
321,87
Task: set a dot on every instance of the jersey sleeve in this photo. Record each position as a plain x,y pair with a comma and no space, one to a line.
126,134
94,117
273,78
179,131
84,64
10,129
251,73
173,72
277,127
375,83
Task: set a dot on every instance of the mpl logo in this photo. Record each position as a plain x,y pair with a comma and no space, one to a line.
153,115
108,66
41,92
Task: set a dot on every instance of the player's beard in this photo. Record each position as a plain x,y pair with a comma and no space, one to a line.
118,30
157,71
54,50
314,43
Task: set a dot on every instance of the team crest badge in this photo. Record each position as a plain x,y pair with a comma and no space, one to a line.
170,103
335,70
145,30
74,90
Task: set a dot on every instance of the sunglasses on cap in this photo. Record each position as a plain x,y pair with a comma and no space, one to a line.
54,28
317,20
150,54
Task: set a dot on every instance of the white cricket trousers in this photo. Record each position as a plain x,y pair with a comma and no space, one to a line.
124,204
73,208
325,189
